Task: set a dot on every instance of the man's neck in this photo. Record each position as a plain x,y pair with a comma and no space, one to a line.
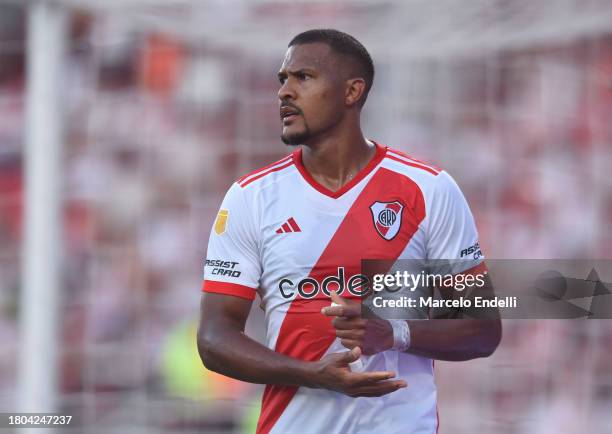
335,160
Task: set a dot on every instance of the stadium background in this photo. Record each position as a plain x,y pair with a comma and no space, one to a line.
164,103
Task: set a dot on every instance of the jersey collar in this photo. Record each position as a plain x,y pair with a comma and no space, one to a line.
297,160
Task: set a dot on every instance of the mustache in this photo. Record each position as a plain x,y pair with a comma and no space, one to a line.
293,106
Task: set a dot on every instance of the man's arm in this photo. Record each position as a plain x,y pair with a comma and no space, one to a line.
440,339
458,339
224,348
450,229
454,340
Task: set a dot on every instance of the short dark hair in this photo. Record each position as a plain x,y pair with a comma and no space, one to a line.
345,44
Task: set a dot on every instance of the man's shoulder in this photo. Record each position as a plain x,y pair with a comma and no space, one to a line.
431,180
266,173
406,164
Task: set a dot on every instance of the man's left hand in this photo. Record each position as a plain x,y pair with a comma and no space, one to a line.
371,335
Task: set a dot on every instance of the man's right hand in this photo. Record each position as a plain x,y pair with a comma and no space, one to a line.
332,372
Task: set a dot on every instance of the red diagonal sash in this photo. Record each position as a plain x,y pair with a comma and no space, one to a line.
307,334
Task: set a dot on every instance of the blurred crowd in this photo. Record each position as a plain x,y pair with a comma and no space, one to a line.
156,129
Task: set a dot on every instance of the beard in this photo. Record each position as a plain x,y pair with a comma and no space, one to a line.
297,137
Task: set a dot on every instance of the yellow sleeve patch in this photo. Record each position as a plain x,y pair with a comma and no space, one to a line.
221,222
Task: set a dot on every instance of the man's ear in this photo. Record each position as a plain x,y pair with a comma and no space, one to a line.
355,88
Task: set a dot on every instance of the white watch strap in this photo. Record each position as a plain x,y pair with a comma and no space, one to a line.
401,334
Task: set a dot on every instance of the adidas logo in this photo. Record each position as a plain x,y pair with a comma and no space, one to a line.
289,226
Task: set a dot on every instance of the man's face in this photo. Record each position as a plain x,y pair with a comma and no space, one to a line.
311,97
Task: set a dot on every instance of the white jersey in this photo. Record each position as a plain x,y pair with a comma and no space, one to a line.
281,234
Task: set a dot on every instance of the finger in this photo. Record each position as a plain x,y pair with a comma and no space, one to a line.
342,301
335,298
369,378
345,311
341,323
350,334
350,343
336,306
351,356
341,307
351,310
333,311
380,389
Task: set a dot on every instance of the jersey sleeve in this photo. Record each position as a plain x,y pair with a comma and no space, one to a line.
232,265
452,242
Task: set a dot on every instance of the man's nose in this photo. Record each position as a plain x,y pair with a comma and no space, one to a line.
286,91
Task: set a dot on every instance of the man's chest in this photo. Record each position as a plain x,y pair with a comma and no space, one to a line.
302,240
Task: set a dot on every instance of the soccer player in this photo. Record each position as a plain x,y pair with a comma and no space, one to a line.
295,231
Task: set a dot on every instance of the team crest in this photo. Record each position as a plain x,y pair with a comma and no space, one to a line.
221,222
387,218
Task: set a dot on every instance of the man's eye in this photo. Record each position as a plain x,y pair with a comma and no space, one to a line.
302,76
282,80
